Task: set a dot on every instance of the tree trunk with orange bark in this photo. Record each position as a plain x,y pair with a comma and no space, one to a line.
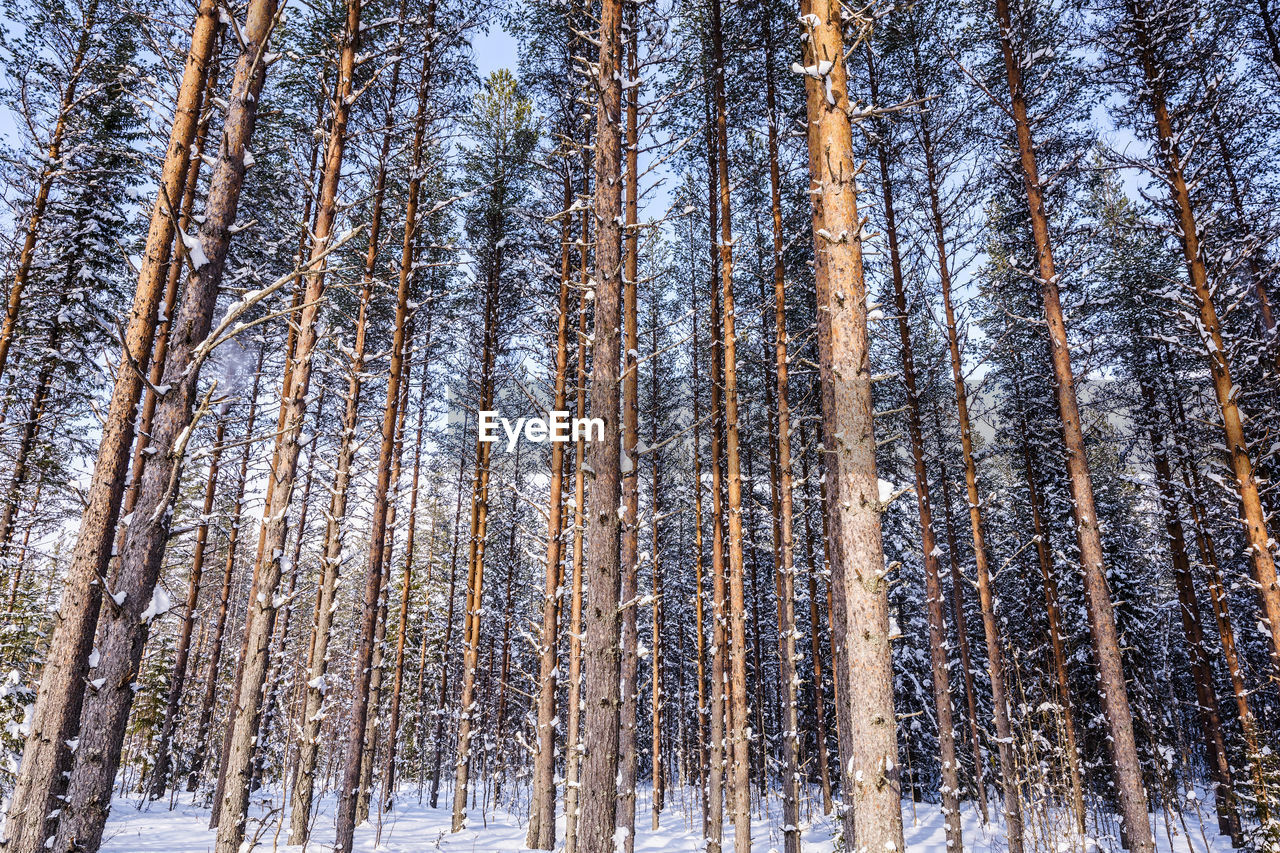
1115,697
699,608
331,560
542,810
785,545
719,722
739,729
469,707
1227,392
164,322
123,626
260,619
58,703
318,649
355,779
873,817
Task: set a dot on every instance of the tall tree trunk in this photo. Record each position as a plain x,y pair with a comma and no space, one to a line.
1226,632
785,548
655,642
962,630
300,285
373,724
1115,696
599,778
173,276
995,657
317,687
214,656
383,510
420,726
447,645
627,757
871,780
933,181
260,619
504,670
59,700
756,644
273,708
815,647
1000,699
739,733
373,721
469,707
161,771
1226,391
939,675
393,725
282,637
572,748
387,490
123,627
698,567
542,811
719,646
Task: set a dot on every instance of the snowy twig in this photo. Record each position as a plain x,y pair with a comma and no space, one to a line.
253,297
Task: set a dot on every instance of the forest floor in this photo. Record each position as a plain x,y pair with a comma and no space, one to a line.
412,828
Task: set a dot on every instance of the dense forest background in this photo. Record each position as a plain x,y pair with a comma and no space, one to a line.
936,346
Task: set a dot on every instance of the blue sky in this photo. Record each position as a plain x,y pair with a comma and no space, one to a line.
494,49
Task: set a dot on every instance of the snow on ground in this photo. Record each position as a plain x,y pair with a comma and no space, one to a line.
412,827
